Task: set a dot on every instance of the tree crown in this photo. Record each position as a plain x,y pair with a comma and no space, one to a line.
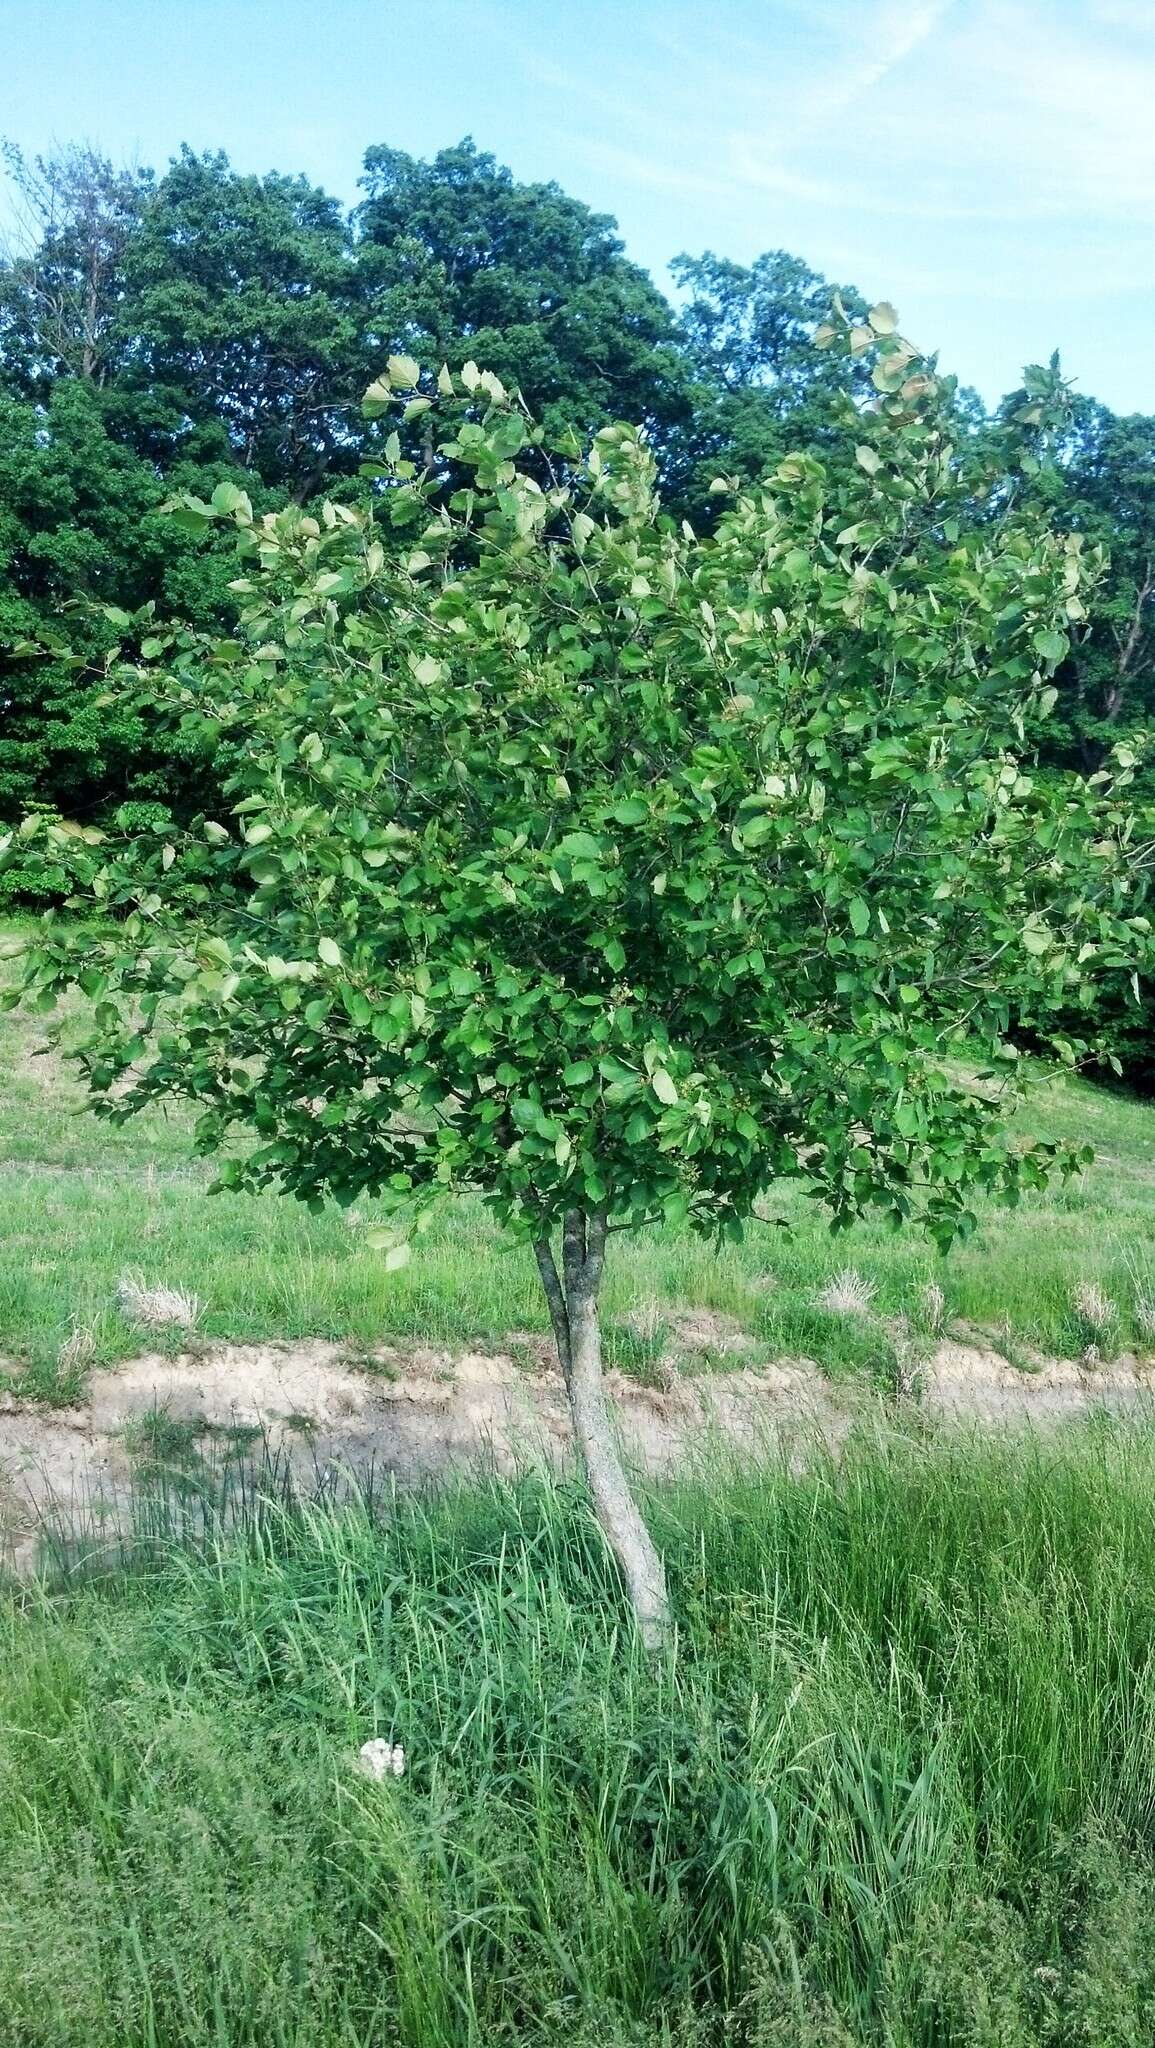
592,863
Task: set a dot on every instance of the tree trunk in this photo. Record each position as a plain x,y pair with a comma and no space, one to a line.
573,1304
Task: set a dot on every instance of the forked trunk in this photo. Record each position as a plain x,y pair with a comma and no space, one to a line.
573,1303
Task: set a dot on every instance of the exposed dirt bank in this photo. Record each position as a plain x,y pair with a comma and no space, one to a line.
417,1413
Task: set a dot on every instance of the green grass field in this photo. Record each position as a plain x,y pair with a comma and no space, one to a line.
894,1786
892,1789
81,1202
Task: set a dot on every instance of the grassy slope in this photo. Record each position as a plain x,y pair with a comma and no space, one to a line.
894,1788
81,1201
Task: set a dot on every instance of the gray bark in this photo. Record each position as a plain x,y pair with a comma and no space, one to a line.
573,1304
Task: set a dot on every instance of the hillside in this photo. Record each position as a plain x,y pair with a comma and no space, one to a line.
82,1203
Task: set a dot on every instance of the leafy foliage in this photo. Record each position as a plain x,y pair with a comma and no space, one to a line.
761,389
464,262
168,334
593,863
80,526
246,310
206,327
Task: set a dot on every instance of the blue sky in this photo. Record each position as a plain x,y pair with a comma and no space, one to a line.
987,164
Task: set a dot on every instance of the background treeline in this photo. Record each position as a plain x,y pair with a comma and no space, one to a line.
169,334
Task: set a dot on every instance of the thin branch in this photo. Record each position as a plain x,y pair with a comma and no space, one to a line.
554,1294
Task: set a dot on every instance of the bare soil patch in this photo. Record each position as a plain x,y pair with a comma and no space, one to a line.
419,1413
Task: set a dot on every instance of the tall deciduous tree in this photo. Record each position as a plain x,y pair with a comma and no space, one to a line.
62,277
247,311
467,262
761,387
1104,487
610,871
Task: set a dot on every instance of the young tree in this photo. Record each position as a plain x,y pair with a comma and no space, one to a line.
610,871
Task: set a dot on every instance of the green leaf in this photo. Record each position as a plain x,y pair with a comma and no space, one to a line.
378,398
664,1086
403,372
187,519
229,498
397,1253
1054,647
329,951
859,913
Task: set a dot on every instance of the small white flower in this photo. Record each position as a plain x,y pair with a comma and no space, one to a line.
379,1759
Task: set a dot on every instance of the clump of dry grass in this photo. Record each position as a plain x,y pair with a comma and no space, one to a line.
1145,1317
156,1308
77,1351
932,1301
847,1294
1094,1307
648,1320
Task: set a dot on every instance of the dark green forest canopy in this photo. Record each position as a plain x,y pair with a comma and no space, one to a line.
165,334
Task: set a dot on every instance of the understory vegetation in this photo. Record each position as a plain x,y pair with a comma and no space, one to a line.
891,1784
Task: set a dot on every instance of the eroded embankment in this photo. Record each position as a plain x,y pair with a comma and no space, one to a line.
419,1413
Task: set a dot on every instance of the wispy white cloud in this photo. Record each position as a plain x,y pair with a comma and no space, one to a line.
982,160
877,42
1002,110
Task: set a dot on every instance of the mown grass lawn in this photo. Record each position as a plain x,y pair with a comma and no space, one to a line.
81,1202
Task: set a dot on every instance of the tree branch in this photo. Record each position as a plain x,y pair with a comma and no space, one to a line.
555,1295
